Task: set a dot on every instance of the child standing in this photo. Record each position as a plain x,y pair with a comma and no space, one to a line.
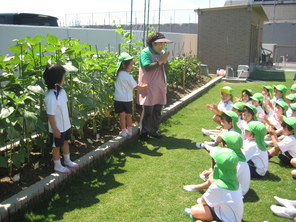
254,149
123,95
58,117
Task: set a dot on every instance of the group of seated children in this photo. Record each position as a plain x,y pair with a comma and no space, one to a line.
238,148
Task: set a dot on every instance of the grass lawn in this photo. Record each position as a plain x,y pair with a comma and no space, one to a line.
143,180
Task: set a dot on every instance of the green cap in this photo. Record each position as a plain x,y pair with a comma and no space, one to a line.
270,90
258,97
225,173
259,129
234,118
282,104
293,106
253,108
234,141
291,121
238,106
281,88
226,89
123,57
293,87
249,90
291,96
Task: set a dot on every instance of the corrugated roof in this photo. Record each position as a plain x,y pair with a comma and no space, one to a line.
257,7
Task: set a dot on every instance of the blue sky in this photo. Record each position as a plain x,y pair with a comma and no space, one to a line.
60,8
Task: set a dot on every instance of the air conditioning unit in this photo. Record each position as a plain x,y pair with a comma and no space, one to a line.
243,71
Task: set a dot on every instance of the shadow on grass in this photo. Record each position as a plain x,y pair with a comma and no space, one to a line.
172,143
81,192
251,196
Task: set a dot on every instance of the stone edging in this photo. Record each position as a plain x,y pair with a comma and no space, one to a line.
26,198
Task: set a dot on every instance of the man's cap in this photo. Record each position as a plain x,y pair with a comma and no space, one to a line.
282,104
234,141
291,121
123,57
225,173
253,108
259,130
281,88
226,89
258,97
238,105
291,96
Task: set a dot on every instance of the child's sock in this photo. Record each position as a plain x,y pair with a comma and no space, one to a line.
57,164
66,158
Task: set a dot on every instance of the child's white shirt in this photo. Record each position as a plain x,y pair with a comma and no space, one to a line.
289,112
248,102
275,99
228,204
288,144
222,106
57,106
259,110
124,85
257,156
244,176
271,118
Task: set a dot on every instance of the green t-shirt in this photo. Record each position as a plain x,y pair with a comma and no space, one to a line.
145,58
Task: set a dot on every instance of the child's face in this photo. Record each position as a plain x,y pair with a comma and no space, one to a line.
289,101
225,97
293,113
248,135
286,132
63,81
255,103
245,97
265,92
278,94
247,116
278,109
293,91
130,66
225,124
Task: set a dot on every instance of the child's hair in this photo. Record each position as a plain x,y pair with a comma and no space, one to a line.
226,117
124,64
247,92
284,125
53,76
249,110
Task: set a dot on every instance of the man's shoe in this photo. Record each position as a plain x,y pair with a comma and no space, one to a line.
144,136
155,134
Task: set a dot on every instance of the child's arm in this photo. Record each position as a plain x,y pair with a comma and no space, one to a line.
214,108
138,87
273,136
56,132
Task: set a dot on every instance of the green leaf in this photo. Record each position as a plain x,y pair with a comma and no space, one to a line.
3,162
34,41
30,116
6,112
36,89
17,159
51,39
85,100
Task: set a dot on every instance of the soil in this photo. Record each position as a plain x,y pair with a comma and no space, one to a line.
42,166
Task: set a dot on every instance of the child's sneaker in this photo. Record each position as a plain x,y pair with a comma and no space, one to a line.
123,133
213,137
198,200
199,145
130,133
71,164
205,132
187,211
203,177
62,169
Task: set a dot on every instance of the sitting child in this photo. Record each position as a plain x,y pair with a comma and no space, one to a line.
238,109
249,114
290,99
257,101
287,146
224,104
254,149
223,200
246,96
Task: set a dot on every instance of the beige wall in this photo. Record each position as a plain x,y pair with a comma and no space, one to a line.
224,36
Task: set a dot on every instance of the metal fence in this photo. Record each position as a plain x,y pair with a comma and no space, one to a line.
124,18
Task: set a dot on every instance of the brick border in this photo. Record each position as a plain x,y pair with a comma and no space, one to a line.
26,198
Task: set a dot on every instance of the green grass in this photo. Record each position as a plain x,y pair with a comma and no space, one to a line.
143,181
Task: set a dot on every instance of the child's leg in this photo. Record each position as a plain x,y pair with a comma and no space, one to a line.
129,123
201,212
122,117
293,162
274,151
56,157
66,154
217,119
